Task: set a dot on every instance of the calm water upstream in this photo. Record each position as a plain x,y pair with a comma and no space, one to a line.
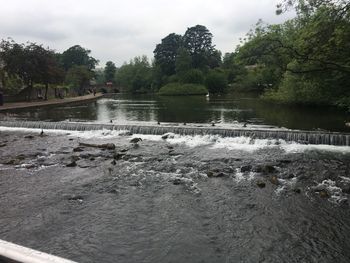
225,109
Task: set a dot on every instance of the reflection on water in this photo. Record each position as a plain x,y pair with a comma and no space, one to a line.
226,109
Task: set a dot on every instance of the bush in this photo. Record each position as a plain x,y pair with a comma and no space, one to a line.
298,89
193,76
216,82
175,89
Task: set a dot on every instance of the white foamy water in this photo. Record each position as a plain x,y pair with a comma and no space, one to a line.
335,192
212,141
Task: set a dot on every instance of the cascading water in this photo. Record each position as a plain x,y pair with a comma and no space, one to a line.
309,137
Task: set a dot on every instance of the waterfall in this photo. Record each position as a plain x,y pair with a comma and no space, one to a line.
309,137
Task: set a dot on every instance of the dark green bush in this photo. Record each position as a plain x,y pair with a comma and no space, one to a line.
193,76
216,82
174,89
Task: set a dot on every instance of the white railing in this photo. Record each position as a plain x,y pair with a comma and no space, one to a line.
16,253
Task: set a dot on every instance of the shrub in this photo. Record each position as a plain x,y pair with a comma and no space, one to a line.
216,82
299,90
174,89
193,76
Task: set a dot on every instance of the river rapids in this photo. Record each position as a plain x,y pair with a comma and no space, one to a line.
94,196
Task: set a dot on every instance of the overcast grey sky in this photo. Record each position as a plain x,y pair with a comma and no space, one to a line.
119,30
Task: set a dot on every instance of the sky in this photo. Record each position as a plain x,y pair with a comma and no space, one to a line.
118,30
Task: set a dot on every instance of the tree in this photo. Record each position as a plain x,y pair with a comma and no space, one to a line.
135,76
183,61
165,53
52,72
31,63
78,56
192,76
307,55
216,82
79,78
198,41
109,71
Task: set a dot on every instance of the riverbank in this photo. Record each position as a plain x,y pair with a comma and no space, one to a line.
34,104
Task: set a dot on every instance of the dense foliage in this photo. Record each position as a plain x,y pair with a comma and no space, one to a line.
27,66
216,82
174,89
135,76
304,60
185,59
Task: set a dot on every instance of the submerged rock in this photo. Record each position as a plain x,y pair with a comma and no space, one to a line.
2,145
216,174
261,184
77,198
72,164
78,149
135,140
297,190
274,180
324,194
265,169
13,162
118,156
246,168
107,146
168,135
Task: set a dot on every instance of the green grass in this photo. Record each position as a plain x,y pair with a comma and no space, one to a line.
178,89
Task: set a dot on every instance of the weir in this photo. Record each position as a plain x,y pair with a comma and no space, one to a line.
306,137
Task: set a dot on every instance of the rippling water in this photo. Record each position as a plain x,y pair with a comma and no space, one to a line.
226,109
160,200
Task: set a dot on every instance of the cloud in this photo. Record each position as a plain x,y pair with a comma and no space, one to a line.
119,30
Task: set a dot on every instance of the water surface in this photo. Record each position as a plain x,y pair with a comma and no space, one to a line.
224,109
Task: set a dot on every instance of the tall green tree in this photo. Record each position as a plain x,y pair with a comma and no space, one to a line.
135,76
32,63
165,53
306,59
183,62
198,41
109,71
78,56
78,77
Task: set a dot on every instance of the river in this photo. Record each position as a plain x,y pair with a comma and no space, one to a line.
183,198
227,109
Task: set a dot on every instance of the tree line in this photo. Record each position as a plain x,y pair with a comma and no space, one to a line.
304,60
24,67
